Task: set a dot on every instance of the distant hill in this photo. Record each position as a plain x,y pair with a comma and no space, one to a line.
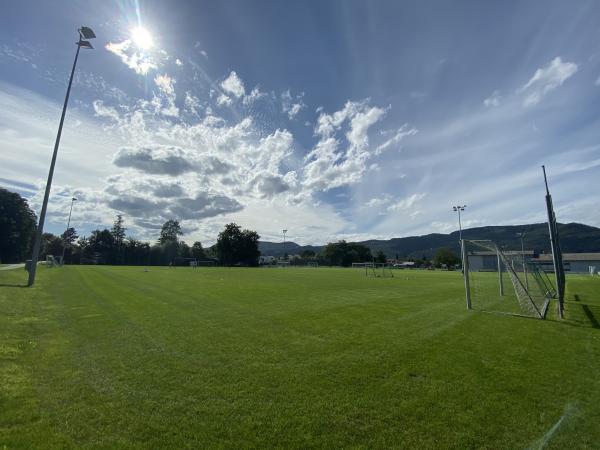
574,238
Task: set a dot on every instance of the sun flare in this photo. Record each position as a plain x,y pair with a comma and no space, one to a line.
142,38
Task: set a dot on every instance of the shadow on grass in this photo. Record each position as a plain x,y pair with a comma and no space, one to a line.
582,314
590,315
578,315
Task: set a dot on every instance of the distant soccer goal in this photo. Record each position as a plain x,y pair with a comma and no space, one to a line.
312,264
206,263
283,264
504,281
380,270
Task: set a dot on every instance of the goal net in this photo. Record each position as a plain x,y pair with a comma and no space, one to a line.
381,270
504,281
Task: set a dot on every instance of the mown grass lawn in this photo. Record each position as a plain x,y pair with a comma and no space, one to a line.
116,357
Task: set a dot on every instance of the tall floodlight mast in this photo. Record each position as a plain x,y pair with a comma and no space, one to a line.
458,209
284,255
84,33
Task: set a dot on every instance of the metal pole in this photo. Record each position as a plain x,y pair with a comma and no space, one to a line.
500,272
62,260
553,246
40,228
463,252
284,258
459,227
524,263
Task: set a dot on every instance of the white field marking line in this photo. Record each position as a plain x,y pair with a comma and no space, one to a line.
12,266
540,444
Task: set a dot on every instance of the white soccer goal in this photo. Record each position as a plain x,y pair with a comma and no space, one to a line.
504,281
312,264
205,263
592,270
380,270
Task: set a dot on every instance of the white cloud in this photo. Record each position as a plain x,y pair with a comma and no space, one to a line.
546,79
493,100
140,62
165,104
192,103
397,136
156,159
254,95
178,62
377,202
328,165
105,111
292,105
233,85
597,83
224,100
360,124
407,203
165,83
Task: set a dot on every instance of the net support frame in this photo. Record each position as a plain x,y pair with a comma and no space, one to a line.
465,265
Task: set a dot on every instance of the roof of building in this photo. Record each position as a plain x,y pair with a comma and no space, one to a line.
572,257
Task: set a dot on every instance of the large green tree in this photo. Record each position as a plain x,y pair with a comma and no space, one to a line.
380,257
118,233
100,247
17,227
197,251
237,246
170,232
445,256
344,253
169,241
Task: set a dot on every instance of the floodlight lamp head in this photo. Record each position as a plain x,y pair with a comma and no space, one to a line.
87,32
73,199
86,44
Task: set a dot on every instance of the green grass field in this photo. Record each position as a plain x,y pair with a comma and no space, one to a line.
106,357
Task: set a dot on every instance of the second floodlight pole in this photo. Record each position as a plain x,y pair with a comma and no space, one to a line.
62,260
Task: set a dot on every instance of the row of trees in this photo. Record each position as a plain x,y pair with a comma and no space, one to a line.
112,246
344,253
234,245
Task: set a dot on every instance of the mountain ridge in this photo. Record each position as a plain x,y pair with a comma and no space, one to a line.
574,238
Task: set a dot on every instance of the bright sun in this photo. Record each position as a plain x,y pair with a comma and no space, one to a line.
142,37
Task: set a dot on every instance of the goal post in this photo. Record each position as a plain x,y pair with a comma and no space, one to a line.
484,266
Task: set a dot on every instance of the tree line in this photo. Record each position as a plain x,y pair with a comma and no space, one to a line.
18,224
234,245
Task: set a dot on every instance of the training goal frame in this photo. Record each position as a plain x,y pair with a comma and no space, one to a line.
532,287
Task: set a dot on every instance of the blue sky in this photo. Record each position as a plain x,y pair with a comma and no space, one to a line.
332,119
